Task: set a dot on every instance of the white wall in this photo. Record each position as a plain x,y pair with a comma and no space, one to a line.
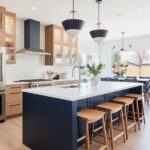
31,66
138,43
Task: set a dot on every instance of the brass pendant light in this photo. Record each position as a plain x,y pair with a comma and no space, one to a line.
73,25
98,34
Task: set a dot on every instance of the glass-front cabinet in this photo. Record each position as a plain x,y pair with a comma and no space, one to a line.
10,37
2,19
8,34
62,47
2,26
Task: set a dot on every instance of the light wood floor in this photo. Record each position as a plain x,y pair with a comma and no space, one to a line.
11,136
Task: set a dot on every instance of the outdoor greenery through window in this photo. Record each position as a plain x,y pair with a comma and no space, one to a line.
131,63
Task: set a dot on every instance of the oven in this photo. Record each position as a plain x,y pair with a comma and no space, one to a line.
2,84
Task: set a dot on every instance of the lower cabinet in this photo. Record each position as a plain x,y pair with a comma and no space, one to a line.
14,99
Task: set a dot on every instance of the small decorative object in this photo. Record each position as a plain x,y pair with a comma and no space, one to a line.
51,74
95,70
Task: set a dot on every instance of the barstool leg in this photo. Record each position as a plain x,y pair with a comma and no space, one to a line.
123,129
143,114
138,115
92,133
111,130
133,115
87,135
125,118
104,132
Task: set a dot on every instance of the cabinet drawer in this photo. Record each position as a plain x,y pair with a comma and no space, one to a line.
13,89
13,109
13,97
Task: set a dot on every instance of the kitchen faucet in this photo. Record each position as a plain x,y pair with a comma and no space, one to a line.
79,73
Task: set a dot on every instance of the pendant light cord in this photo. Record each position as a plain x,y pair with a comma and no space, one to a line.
98,1
73,11
122,40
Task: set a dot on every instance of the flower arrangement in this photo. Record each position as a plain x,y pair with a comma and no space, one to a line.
120,69
95,70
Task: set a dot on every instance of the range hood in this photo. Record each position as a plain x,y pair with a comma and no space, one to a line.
32,38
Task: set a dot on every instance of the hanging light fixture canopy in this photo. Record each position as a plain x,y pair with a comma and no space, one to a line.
73,26
122,45
98,34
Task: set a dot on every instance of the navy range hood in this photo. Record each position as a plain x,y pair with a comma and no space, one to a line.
32,38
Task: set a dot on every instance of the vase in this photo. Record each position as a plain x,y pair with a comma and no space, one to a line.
95,80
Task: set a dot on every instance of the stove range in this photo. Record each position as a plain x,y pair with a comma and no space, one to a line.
36,83
34,80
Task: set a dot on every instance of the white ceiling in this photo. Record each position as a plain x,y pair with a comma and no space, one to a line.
117,15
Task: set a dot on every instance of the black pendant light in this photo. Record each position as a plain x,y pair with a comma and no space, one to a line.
73,26
98,34
122,46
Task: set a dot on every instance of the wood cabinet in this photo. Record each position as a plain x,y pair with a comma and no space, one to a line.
62,47
14,99
10,37
2,26
8,34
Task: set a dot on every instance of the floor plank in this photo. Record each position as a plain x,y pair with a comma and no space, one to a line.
11,136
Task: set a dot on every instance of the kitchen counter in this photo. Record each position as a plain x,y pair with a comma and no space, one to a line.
50,114
84,91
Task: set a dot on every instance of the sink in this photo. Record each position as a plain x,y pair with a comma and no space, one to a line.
70,86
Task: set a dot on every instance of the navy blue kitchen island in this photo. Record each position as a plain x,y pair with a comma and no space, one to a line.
49,114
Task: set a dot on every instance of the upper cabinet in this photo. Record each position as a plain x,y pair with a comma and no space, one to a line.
8,34
10,37
2,26
63,49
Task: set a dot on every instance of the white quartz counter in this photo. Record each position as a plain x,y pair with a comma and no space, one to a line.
84,91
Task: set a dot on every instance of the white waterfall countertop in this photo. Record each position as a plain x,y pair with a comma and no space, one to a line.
65,92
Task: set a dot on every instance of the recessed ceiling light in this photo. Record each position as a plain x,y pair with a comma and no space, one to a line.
140,9
34,8
119,15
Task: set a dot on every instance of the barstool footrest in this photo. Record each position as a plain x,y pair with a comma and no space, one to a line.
118,136
81,138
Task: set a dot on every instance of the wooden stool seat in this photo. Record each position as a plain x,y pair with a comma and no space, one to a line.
124,100
108,106
90,115
137,96
140,115
114,108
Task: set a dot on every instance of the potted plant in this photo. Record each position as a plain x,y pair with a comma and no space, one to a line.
95,70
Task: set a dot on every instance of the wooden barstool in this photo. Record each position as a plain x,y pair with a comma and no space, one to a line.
90,116
112,108
139,115
126,102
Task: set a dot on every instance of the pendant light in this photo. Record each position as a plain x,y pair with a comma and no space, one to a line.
73,26
122,46
98,34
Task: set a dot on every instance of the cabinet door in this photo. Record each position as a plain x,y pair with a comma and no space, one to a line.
10,23
2,39
73,55
65,55
10,37
58,35
2,19
66,39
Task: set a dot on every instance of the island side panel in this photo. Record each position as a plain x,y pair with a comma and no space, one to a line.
49,123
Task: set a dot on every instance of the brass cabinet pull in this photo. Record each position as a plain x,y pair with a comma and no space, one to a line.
16,93
15,87
14,105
